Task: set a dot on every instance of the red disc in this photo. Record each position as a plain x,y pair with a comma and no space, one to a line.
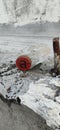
23,63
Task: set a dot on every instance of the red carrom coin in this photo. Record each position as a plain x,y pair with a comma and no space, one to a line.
23,63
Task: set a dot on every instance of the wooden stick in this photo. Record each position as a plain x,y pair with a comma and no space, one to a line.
56,49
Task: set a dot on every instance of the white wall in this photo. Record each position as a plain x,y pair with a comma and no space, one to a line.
27,11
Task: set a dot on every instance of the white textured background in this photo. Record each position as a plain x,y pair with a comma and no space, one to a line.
27,11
